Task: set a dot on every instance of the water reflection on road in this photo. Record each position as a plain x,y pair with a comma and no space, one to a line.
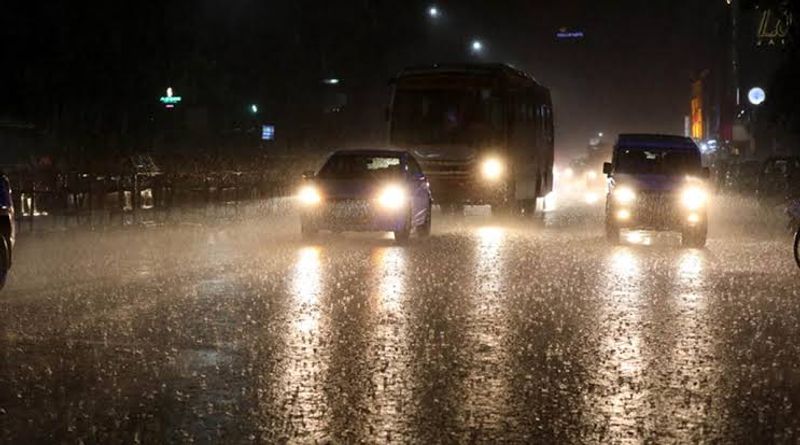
485,332
389,353
300,385
487,378
618,404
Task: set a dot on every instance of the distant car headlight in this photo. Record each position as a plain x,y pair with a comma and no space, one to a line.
694,198
624,195
309,195
392,197
492,169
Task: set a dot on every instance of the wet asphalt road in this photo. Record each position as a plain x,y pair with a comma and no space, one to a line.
489,332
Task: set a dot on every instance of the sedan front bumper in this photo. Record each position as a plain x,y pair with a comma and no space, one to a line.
354,215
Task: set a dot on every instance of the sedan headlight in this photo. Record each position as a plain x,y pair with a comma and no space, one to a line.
694,198
392,197
624,195
309,195
492,169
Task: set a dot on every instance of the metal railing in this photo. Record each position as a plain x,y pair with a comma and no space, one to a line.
58,201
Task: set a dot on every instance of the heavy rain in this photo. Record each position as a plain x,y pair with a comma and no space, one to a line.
250,233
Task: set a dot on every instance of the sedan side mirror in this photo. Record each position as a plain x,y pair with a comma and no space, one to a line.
706,173
309,174
607,168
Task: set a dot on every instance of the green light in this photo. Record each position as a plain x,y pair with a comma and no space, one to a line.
170,99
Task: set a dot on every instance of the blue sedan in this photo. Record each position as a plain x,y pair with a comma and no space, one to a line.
367,190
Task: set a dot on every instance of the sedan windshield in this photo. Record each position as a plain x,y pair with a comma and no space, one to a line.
361,167
658,161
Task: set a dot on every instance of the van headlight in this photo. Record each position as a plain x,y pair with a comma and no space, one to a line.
694,198
492,169
309,195
392,197
624,195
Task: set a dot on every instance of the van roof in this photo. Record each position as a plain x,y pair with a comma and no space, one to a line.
656,141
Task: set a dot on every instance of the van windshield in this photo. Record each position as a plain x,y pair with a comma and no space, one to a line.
650,161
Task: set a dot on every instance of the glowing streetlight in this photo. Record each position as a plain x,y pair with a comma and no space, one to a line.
254,108
433,12
477,46
756,96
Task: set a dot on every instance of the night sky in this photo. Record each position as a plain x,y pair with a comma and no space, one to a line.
630,73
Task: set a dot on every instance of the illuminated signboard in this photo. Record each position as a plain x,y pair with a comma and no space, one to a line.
568,34
267,132
170,100
697,118
773,27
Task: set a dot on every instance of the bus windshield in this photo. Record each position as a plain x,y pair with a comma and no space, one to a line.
652,161
446,116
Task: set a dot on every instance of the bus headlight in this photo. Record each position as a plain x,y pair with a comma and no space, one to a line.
694,198
624,195
492,169
392,197
309,195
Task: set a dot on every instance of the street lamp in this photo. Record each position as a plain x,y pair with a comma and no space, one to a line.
254,108
477,46
756,96
433,12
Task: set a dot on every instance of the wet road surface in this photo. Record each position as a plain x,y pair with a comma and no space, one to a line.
489,332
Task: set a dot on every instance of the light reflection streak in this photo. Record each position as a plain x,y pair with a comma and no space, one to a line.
389,264
620,373
488,400
306,280
690,266
301,396
692,354
624,264
490,240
